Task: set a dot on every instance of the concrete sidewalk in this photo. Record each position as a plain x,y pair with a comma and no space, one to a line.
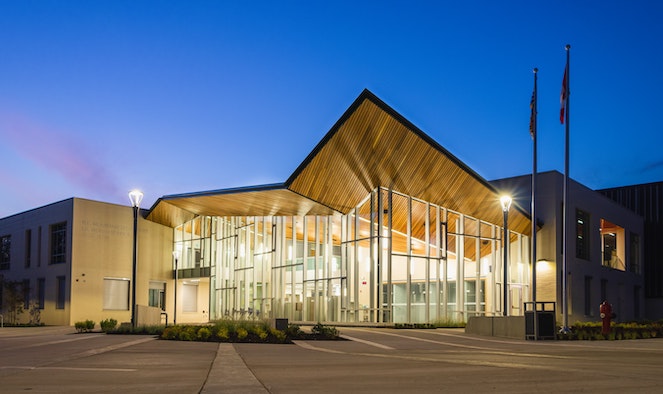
229,374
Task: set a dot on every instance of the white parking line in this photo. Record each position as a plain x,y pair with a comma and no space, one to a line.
480,363
381,346
308,346
79,338
480,348
72,369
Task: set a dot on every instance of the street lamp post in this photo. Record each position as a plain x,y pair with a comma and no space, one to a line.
176,255
136,196
506,204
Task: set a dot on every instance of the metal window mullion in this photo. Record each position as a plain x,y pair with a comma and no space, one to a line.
379,306
428,260
390,209
373,264
438,260
444,275
493,265
408,285
355,224
460,266
477,270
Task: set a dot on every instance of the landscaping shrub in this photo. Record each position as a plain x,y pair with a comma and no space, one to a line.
415,325
327,332
108,325
84,326
204,334
188,333
293,331
618,331
222,334
170,332
448,323
126,329
244,331
277,336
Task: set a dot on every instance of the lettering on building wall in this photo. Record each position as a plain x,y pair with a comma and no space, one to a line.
102,230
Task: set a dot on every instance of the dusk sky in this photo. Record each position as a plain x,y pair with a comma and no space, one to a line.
100,97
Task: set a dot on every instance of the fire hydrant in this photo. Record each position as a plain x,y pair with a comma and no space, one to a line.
606,315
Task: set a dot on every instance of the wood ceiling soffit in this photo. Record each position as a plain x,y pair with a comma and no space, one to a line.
254,203
169,214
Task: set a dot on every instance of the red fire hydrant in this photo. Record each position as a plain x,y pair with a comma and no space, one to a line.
606,315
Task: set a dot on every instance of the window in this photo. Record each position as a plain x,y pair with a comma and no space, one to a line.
604,290
41,292
636,302
39,247
26,294
612,245
190,298
157,295
5,251
62,289
588,296
634,260
28,247
58,243
116,294
582,234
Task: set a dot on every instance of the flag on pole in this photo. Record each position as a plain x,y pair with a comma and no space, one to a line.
564,95
532,116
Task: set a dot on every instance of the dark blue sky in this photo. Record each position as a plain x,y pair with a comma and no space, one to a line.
99,97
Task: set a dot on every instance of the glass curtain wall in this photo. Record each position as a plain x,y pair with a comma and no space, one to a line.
392,259
193,240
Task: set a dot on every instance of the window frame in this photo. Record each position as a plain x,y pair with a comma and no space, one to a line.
58,243
61,292
5,251
119,287
583,225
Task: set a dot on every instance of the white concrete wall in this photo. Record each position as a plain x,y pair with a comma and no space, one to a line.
620,284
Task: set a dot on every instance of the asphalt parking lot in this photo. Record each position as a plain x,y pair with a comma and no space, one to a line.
57,360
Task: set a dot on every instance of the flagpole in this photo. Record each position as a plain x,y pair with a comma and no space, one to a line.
565,301
534,172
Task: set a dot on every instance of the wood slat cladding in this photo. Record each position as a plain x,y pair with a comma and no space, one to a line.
375,147
370,146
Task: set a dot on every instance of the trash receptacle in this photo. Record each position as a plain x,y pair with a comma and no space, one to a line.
540,320
281,324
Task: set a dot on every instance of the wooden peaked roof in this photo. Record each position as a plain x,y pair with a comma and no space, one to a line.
370,146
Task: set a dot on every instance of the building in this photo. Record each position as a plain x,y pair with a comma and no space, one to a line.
72,261
604,246
647,201
379,224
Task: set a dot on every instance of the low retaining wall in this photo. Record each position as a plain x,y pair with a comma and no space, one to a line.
497,326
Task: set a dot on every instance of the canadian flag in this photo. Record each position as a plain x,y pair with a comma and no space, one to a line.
564,95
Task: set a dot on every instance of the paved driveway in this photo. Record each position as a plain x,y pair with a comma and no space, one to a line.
56,360
387,360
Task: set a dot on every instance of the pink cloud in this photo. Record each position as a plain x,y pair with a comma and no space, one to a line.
54,150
